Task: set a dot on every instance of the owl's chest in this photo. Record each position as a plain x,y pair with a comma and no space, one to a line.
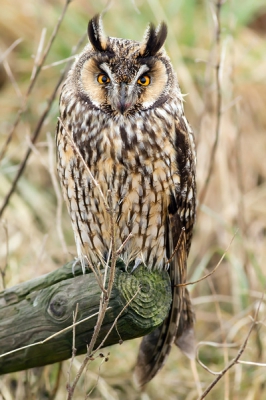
127,160
139,171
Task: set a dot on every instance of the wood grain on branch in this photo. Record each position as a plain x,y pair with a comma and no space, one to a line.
33,311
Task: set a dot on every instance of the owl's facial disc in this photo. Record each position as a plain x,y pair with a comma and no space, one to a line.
123,86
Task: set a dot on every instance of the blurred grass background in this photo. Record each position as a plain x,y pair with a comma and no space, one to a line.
235,200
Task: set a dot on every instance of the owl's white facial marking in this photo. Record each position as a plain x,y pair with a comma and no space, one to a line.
105,67
144,68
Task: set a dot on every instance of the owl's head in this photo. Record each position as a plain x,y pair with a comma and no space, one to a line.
121,76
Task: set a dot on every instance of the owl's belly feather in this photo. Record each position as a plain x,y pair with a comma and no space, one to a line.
140,190
140,204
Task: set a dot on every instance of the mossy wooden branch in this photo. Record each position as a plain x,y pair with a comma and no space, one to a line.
34,310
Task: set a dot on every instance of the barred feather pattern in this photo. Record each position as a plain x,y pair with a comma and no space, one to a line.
136,143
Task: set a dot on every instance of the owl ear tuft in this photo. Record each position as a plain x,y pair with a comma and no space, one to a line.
96,33
154,39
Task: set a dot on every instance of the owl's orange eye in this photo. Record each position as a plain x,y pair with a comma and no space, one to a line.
144,80
102,79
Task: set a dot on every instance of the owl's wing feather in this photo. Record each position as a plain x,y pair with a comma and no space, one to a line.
184,336
178,326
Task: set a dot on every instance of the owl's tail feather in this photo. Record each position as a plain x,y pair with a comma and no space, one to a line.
155,347
185,338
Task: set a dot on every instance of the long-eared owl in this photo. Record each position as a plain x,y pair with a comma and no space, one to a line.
122,108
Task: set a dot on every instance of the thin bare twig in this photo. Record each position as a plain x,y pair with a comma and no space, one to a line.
218,102
76,150
54,64
35,73
52,336
252,363
58,194
113,246
212,344
37,61
106,268
11,133
214,269
3,270
116,319
135,6
105,359
10,48
74,350
196,376
57,382
223,335
71,388
177,246
40,60
50,168
236,359
119,251
12,80
97,273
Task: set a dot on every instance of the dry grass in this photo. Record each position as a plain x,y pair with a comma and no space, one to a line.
235,198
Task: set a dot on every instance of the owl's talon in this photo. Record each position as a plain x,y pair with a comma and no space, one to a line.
74,265
138,262
83,264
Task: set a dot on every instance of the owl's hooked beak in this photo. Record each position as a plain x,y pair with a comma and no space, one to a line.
124,101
